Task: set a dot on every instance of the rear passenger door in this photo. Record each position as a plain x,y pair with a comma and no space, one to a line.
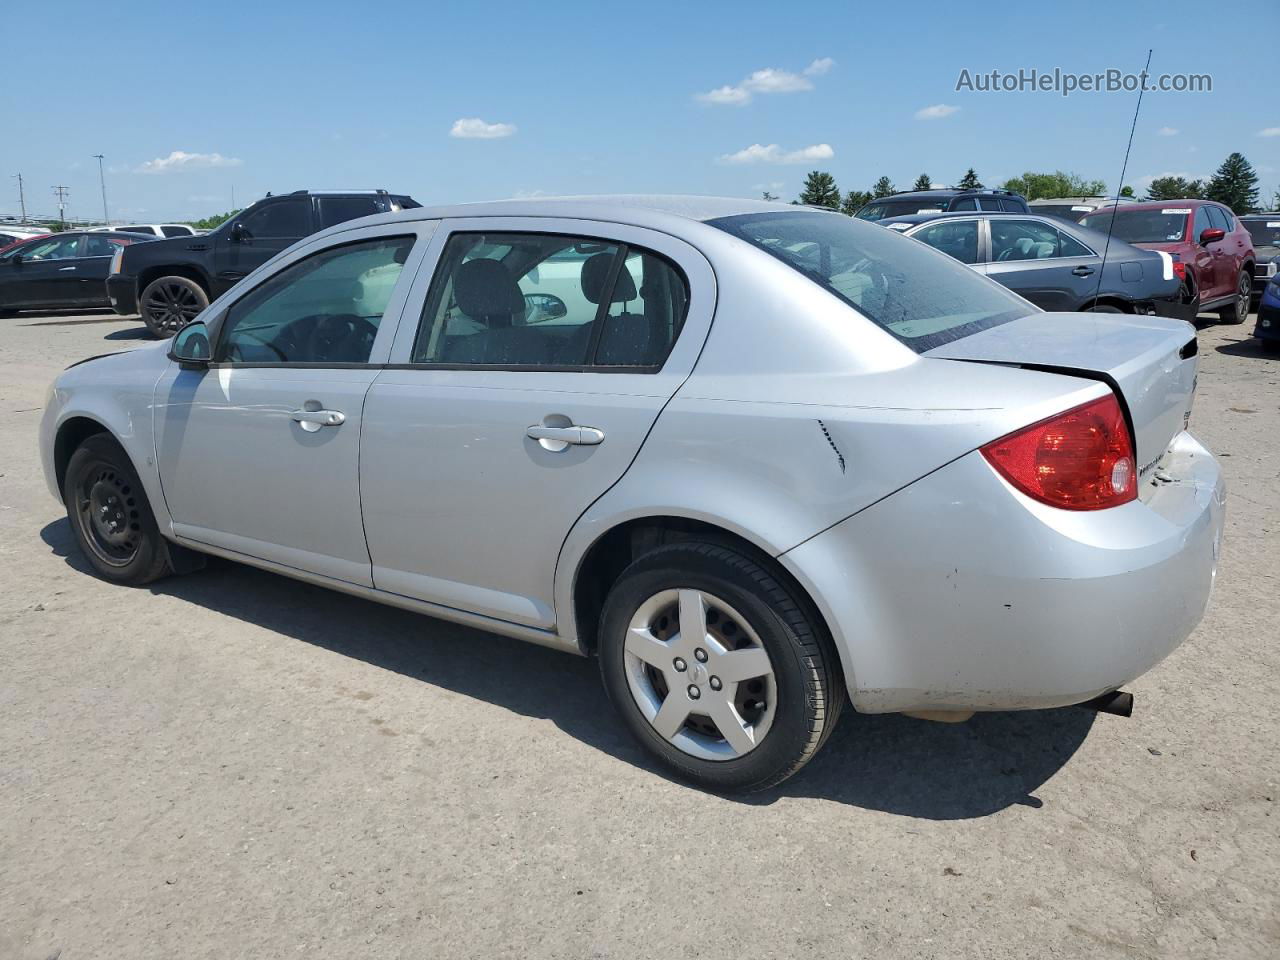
531,364
1038,261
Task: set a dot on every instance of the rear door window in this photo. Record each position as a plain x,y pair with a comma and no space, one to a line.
341,209
526,300
965,203
96,245
957,238
1023,240
988,203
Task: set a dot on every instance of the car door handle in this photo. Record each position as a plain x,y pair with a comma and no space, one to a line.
313,420
1082,271
556,439
65,269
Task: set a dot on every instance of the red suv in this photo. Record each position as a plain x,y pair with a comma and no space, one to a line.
1212,251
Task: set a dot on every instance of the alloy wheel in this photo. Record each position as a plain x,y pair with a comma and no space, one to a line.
171,306
1245,297
700,674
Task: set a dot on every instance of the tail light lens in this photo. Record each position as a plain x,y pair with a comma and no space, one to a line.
116,259
1179,269
1078,460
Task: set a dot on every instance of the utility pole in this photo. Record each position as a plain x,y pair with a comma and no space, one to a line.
106,220
61,193
22,198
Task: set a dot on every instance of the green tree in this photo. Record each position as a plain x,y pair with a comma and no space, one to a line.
1036,186
922,183
1235,184
1127,191
766,195
209,223
970,181
883,187
1175,188
854,201
1275,201
820,190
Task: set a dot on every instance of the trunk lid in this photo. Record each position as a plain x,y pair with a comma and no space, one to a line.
1150,362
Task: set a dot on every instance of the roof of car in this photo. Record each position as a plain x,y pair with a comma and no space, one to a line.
1156,204
954,214
640,209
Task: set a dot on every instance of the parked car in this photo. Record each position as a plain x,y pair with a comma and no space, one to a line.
60,270
6,244
769,458
1074,208
929,201
1211,248
1268,327
171,281
1054,264
1264,229
10,234
154,229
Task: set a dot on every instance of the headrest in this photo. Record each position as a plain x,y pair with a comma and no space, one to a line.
485,288
595,273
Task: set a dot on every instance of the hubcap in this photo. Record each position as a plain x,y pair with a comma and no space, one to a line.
700,674
172,306
108,514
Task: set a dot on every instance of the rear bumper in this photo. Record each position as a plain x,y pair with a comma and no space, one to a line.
122,292
959,593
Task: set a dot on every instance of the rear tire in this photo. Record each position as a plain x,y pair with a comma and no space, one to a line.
110,516
169,303
781,690
1238,312
1104,308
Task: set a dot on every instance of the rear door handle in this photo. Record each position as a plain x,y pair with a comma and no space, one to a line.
1082,271
313,420
556,439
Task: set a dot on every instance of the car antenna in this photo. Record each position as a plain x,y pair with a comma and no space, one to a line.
1124,167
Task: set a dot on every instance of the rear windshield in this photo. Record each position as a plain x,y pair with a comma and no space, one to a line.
919,295
879,209
1064,211
1166,225
1265,233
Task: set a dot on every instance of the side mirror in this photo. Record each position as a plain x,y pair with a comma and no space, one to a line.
190,346
1211,235
16,259
238,233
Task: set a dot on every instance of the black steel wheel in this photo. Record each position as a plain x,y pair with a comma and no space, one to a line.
110,516
170,303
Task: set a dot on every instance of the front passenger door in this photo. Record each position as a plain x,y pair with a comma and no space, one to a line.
259,453
258,235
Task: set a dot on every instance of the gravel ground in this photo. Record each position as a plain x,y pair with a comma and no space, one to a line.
232,764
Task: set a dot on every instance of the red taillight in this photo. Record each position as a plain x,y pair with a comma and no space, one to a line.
1078,460
1180,270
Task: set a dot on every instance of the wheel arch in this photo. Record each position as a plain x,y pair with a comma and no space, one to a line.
1105,300
71,433
149,275
603,561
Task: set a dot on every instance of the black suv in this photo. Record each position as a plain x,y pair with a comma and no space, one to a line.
177,278
929,201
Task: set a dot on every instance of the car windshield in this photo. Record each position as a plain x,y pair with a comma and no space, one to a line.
1265,233
919,295
1165,225
879,209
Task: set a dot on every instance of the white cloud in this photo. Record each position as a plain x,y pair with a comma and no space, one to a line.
1269,132
180,160
734,96
473,128
758,153
1168,132
936,112
767,80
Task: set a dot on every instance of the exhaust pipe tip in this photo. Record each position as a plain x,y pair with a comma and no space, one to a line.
1117,703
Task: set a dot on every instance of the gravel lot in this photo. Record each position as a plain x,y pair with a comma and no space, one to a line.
233,764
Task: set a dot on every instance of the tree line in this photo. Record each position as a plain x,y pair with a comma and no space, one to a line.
1235,184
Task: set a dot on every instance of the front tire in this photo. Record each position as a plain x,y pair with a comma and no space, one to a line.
110,516
1238,312
169,303
716,668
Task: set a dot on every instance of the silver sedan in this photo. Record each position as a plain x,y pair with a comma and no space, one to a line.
757,459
